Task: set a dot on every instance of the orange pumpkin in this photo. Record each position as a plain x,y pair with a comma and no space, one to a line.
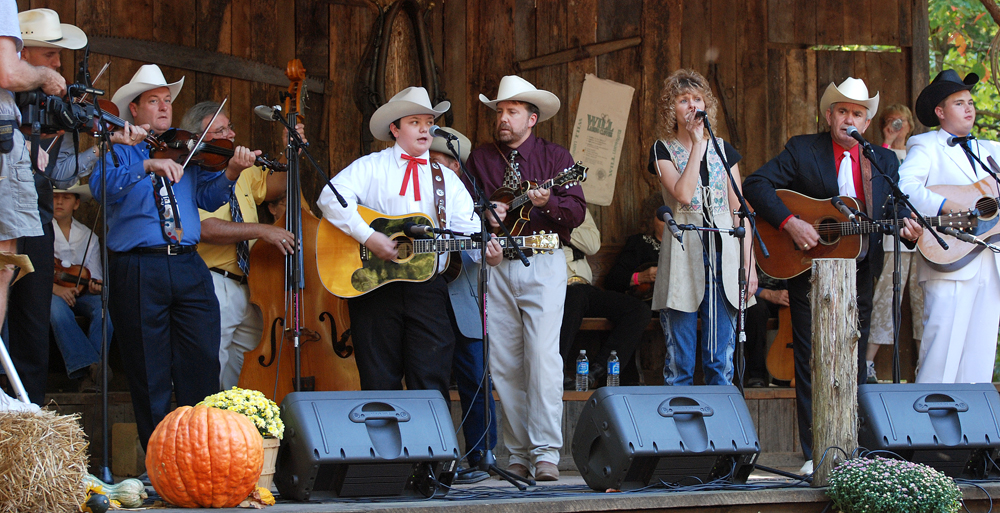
204,457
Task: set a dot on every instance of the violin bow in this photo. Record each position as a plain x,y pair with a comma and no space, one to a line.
197,145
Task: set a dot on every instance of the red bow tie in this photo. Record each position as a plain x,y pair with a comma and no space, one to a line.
412,170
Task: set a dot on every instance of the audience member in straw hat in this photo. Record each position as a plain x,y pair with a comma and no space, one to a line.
44,40
75,244
526,303
162,300
824,165
467,363
961,306
401,330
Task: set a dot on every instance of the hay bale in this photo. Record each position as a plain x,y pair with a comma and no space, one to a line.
43,458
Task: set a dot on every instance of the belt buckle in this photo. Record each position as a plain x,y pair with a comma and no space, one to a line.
172,251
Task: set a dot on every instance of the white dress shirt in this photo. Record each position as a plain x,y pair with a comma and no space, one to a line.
70,252
374,181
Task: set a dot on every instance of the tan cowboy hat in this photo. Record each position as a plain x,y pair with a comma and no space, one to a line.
408,102
81,189
148,77
852,90
515,88
463,144
41,27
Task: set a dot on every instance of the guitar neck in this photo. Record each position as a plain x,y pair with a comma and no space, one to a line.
867,227
449,245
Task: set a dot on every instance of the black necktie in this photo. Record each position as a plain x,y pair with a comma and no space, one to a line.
242,247
968,154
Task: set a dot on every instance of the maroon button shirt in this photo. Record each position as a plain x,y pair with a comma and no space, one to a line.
540,160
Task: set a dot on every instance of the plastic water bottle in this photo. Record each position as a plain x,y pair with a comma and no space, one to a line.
614,369
582,372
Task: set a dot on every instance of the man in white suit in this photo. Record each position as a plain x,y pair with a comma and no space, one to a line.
961,306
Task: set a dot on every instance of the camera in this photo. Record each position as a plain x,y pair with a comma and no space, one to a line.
53,113
897,124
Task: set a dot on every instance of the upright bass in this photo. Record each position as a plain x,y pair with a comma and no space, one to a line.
295,305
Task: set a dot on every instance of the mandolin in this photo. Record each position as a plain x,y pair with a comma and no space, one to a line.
519,205
349,269
839,238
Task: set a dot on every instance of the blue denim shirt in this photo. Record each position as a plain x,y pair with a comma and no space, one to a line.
133,220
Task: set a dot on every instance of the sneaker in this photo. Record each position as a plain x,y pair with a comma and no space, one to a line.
756,383
872,379
807,469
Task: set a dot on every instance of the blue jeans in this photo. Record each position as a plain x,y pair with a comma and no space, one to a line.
467,366
680,332
78,349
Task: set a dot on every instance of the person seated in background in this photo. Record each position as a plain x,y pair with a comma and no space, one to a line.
634,270
771,294
74,244
583,299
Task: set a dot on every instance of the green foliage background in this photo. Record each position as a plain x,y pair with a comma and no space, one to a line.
960,35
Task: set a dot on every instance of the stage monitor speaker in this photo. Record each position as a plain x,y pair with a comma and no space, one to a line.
953,428
371,443
631,437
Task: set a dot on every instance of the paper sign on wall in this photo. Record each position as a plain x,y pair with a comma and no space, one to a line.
598,135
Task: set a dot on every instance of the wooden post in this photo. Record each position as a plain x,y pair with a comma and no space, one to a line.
834,362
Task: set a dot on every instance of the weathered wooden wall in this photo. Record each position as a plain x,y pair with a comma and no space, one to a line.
767,74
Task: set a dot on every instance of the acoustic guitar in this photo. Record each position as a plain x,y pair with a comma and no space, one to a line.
349,269
982,223
780,356
519,205
838,237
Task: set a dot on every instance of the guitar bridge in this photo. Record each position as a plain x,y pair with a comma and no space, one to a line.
365,253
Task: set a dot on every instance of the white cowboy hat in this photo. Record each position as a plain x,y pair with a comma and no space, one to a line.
515,88
852,90
408,102
82,190
463,144
148,77
41,27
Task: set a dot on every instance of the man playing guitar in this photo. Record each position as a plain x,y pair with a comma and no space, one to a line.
821,166
961,306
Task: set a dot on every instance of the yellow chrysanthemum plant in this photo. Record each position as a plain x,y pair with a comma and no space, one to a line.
263,412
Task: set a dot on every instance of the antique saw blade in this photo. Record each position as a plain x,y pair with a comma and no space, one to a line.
195,59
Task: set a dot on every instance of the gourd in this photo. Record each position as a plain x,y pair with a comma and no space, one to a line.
204,457
129,493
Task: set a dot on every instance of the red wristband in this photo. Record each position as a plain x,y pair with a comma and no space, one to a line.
782,225
635,278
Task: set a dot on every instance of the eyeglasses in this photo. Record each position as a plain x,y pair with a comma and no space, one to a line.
222,130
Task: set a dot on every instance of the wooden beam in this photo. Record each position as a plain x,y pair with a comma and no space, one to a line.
576,54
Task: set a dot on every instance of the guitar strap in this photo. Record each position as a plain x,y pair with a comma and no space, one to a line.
440,203
866,184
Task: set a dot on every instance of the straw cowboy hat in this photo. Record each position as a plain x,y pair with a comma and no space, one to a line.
852,90
80,189
515,88
408,102
148,77
944,85
41,27
463,145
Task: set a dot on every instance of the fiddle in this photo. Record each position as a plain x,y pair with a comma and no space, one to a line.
74,276
212,155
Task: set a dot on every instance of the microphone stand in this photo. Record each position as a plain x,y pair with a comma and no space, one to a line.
896,196
482,205
968,151
740,233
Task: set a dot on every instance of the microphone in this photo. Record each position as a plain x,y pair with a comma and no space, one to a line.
853,132
700,114
954,141
419,230
437,131
268,113
666,215
844,209
962,236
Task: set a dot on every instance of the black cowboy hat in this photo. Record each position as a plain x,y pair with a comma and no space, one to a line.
944,85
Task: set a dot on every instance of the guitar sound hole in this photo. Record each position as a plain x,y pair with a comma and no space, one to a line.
829,231
404,248
987,207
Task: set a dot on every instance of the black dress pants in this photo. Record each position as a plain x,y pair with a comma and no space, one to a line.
29,306
166,318
798,289
629,315
402,331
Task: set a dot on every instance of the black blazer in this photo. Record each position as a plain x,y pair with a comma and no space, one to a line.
807,166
